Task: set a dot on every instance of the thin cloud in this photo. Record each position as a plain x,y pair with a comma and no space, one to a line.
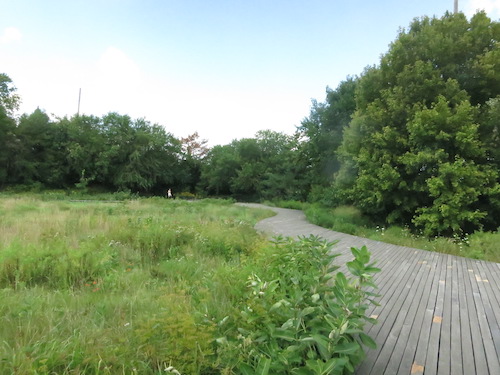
115,66
491,7
114,83
10,35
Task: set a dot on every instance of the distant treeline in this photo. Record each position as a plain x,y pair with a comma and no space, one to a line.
414,140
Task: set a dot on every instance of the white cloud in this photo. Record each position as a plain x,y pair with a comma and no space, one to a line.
116,67
10,35
491,7
113,83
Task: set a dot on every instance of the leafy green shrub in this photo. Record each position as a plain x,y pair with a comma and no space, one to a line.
345,219
294,205
481,245
299,318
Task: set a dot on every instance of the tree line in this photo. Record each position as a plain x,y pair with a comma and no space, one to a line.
413,140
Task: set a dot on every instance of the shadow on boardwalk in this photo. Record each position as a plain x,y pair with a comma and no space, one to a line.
438,313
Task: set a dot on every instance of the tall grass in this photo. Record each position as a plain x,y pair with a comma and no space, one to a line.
110,288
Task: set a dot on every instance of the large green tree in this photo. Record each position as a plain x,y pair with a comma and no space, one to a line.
9,99
139,156
322,131
419,149
9,102
265,167
42,152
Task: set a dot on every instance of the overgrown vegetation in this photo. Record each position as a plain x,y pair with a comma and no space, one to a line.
416,140
348,219
299,316
152,285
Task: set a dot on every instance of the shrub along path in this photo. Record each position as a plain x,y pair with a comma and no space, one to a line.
438,313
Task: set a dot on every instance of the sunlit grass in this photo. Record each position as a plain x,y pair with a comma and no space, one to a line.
124,287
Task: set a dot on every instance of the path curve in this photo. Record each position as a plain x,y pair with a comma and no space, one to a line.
438,314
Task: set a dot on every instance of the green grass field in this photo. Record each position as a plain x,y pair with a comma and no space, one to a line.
89,287
151,286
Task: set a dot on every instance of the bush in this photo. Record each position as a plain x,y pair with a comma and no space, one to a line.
299,318
294,205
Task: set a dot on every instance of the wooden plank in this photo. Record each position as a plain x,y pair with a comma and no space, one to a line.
477,343
468,366
493,307
388,284
485,316
431,360
427,324
444,364
455,333
391,304
406,342
408,360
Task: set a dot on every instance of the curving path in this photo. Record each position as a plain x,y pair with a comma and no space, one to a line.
438,313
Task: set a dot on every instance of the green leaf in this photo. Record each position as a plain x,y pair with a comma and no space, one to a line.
333,364
289,323
246,369
283,334
263,366
341,279
347,348
368,341
322,345
308,310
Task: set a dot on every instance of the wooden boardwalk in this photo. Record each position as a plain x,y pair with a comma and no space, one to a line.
438,314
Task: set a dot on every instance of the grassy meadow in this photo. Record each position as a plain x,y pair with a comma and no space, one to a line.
95,287
154,286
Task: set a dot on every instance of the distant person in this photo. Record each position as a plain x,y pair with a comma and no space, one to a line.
169,194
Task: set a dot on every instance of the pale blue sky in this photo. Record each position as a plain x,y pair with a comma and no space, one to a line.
223,68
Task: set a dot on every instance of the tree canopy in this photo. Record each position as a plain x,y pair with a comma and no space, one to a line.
420,148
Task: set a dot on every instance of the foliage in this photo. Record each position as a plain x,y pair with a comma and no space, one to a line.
9,100
419,149
80,294
345,219
298,316
348,219
265,167
323,129
413,141
148,285
173,339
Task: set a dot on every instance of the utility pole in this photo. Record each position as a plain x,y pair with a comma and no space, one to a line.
455,10
80,96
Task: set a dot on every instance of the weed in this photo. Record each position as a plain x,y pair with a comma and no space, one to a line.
300,317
